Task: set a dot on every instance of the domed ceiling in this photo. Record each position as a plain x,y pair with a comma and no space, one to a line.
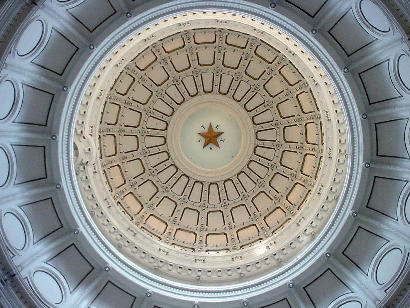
204,154
210,141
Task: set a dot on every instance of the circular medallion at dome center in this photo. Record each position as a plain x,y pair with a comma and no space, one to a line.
210,149
210,137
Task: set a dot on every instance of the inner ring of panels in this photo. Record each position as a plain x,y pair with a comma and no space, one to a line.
180,210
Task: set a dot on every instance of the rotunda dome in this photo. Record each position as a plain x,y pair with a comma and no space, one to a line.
204,153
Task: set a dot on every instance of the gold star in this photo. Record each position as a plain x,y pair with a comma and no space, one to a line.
211,136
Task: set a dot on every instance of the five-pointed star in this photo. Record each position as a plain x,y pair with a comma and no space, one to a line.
211,136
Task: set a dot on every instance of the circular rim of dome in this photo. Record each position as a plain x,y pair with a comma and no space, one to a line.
112,176
345,202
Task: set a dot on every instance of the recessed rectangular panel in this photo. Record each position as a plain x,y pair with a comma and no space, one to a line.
190,85
185,236
247,183
206,57
180,184
254,102
273,86
214,239
389,146
148,190
213,194
124,83
275,217
231,190
236,40
116,176
180,62
131,117
240,213
134,168
279,182
156,223
43,218
71,263
113,296
262,202
57,54
215,219
28,156
196,192
289,159
247,233
167,173
266,53
385,194
363,247
132,202
190,217
129,143
175,94
92,13
173,43
287,109
325,289
145,59
341,33
35,106
166,206
290,74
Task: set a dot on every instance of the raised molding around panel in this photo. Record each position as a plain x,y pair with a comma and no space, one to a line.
325,288
35,106
363,243
310,8
378,83
92,13
384,196
57,54
31,163
386,145
112,295
72,264
43,218
341,30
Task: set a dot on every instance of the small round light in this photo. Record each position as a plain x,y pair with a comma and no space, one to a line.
53,137
91,46
58,186
65,88
354,214
148,294
328,254
128,14
345,69
313,31
272,5
367,165
290,285
245,303
107,268
76,231
364,116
